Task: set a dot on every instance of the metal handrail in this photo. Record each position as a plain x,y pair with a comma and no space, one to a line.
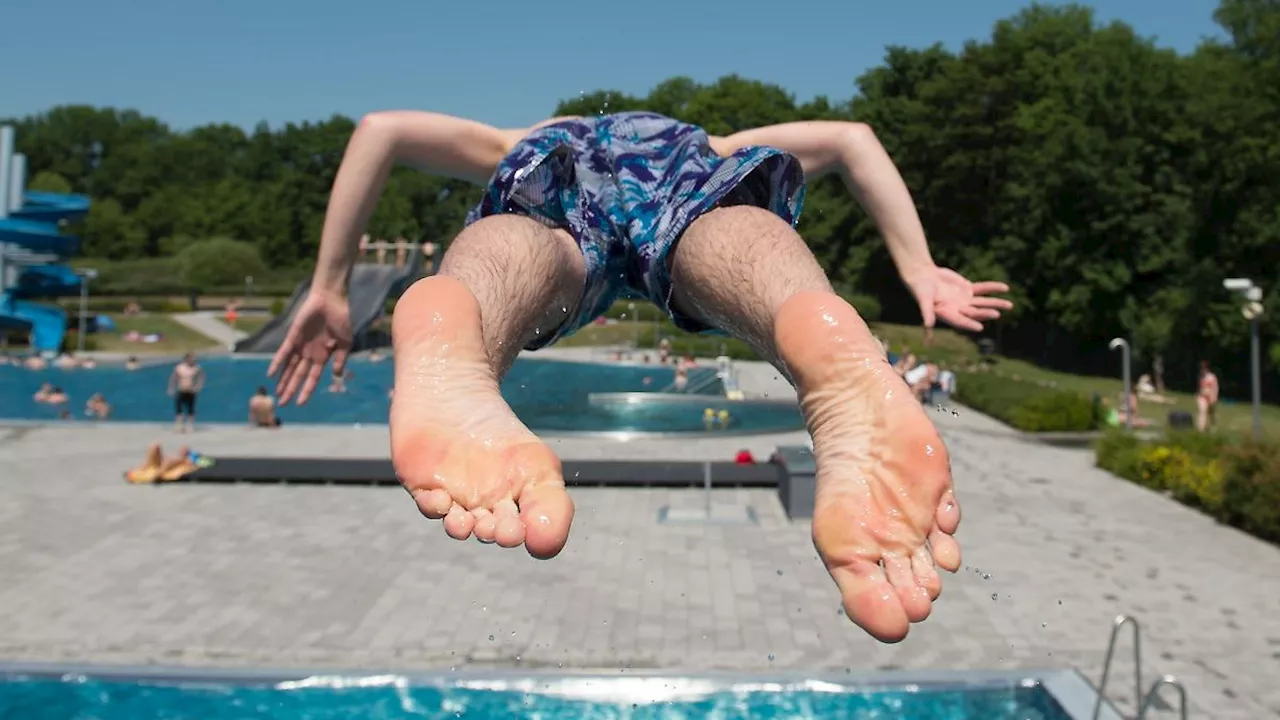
1121,621
1154,692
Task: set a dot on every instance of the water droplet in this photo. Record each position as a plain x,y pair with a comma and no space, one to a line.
928,450
779,573
537,331
771,658
986,576
564,309
513,633
490,638
994,596
1059,602
1044,624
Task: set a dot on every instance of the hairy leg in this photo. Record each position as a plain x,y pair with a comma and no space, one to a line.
885,511
455,443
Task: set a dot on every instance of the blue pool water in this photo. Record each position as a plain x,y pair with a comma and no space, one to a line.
548,395
100,700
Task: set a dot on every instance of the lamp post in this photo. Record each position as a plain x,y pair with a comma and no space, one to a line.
85,276
635,327
1123,345
248,288
1252,312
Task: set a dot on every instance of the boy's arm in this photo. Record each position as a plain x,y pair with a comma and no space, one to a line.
852,150
437,144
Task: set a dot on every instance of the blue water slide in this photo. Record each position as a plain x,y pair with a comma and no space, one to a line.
47,281
38,237
51,207
47,324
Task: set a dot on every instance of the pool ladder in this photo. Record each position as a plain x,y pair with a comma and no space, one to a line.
1143,703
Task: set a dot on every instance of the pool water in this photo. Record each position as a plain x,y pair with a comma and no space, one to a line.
116,700
548,395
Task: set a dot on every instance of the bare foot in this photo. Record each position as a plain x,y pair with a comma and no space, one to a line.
456,445
885,509
149,470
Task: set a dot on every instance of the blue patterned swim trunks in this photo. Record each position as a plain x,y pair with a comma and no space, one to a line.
626,186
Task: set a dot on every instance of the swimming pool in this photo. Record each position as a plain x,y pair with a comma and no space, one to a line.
550,396
1055,695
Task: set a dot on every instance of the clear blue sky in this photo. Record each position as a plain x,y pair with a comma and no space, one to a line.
503,62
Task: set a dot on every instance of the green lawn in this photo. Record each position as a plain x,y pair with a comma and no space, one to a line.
252,323
178,338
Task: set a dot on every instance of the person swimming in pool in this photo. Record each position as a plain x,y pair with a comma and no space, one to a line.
580,211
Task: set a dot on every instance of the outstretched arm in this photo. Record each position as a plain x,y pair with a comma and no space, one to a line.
437,144
852,150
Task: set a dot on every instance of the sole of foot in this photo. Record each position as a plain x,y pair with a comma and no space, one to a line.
885,509
456,445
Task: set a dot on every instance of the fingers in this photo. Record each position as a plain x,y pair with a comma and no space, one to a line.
309,384
960,322
285,374
278,360
297,374
988,287
340,360
991,302
978,313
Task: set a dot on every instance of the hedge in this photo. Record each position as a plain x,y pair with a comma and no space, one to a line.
1236,482
1026,405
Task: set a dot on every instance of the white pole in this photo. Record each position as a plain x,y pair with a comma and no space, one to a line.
6,158
17,181
84,314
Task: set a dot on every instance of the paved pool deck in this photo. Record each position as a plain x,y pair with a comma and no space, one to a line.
98,571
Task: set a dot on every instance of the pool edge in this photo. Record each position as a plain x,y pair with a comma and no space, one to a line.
1073,692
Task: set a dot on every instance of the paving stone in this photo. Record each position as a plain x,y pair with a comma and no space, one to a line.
96,570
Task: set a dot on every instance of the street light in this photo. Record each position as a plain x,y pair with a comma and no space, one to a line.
1252,312
1123,345
85,276
635,327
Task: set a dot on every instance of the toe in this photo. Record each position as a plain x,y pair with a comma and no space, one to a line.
508,530
870,601
546,512
915,599
945,549
459,523
948,514
926,574
486,528
435,504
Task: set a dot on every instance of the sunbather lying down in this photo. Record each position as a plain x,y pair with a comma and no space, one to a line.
158,468
580,211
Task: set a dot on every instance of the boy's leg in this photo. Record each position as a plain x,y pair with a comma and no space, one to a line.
506,282
885,511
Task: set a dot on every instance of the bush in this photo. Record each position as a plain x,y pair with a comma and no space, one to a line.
1251,489
1025,405
219,262
1238,484
147,276
277,306
1059,411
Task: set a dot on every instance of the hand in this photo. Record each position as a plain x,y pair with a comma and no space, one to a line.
944,293
321,328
